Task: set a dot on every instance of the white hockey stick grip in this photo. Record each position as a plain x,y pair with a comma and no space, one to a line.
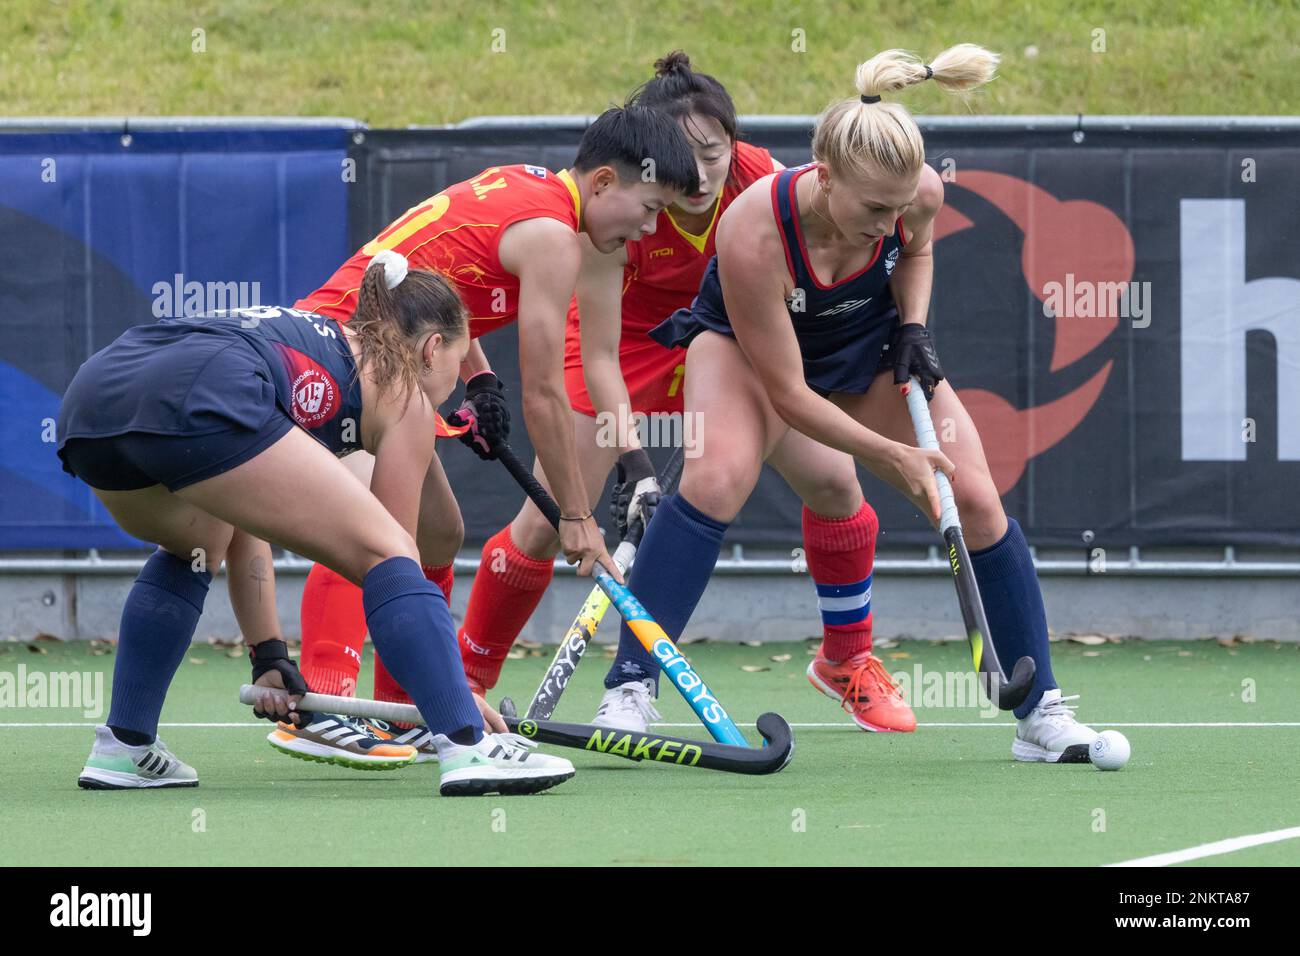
331,704
925,438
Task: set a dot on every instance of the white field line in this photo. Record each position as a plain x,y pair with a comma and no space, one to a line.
842,725
1216,848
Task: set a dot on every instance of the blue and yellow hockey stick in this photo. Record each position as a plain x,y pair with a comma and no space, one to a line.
652,637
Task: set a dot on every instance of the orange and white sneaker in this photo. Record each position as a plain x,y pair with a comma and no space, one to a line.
417,736
343,741
865,690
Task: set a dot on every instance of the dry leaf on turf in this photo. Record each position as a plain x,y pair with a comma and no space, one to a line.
751,643
529,645
754,669
781,658
1092,653
37,649
197,660
1086,639
899,655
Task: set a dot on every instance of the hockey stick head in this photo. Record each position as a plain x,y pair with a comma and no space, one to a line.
1011,693
778,737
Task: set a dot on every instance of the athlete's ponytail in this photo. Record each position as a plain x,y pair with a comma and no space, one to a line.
867,134
391,321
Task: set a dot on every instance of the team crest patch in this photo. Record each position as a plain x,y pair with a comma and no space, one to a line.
891,260
315,398
538,171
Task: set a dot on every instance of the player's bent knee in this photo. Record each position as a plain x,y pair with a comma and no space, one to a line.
533,535
834,497
441,544
395,543
981,513
721,491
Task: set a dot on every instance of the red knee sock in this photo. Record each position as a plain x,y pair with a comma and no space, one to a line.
386,688
841,552
333,630
506,590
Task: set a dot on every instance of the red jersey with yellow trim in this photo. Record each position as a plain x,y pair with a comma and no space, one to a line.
662,275
456,233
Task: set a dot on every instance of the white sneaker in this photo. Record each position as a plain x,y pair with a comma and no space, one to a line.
113,765
628,706
499,763
1051,733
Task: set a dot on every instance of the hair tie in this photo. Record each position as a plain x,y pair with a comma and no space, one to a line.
928,72
394,265
870,99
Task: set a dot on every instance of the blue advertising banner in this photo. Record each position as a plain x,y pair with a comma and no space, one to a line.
100,231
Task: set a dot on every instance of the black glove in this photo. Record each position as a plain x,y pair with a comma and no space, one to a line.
636,493
911,351
486,413
273,655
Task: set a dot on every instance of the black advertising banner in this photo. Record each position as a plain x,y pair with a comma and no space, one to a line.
1118,305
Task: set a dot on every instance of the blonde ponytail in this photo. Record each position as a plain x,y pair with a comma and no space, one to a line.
866,135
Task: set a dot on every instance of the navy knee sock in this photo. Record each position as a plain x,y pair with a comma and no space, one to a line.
411,627
158,621
672,569
1013,603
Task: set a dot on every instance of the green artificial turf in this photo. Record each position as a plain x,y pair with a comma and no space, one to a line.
943,795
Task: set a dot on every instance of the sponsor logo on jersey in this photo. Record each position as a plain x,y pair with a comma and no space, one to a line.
850,305
538,171
315,397
665,251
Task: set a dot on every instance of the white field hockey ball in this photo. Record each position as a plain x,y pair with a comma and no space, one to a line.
1110,751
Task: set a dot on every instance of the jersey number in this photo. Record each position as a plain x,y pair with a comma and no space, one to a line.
410,222
431,210
678,373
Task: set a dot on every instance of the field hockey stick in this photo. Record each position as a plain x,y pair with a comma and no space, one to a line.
583,629
773,756
652,637
1008,694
